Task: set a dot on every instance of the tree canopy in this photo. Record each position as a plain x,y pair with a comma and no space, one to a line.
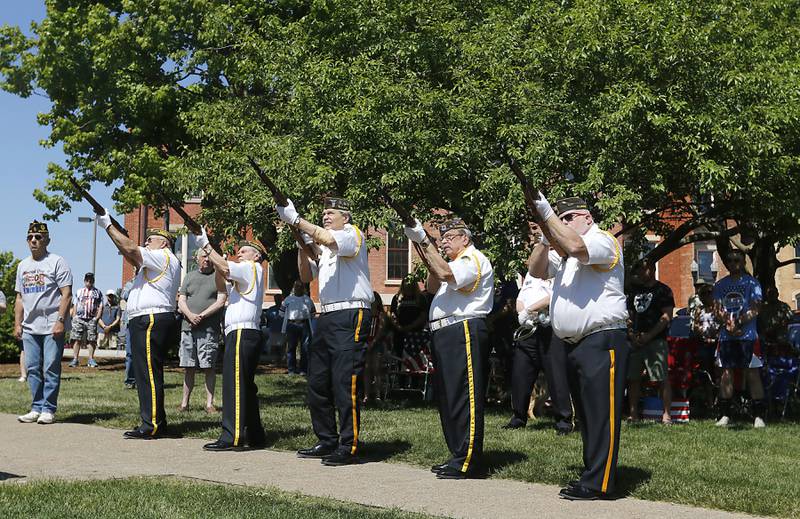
678,116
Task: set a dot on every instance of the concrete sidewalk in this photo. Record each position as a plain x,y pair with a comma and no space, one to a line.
31,451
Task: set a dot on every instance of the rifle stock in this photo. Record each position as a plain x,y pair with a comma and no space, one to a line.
96,206
282,201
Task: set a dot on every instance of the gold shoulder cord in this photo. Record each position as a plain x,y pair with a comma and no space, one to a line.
160,274
252,284
472,289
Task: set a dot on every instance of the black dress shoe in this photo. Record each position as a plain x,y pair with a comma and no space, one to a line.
339,458
440,467
220,446
563,432
580,493
138,434
449,472
257,445
317,451
514,423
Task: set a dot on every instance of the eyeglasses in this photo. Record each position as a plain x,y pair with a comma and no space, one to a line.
569,217
450,236
37,237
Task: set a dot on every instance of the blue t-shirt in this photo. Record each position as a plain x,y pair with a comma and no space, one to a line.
737,297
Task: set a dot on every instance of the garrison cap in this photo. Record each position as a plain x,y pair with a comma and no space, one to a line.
449,225
567,205
161,232
335,202
38,228
254,244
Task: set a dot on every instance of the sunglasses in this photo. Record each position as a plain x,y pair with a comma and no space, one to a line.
569,217
37,237
451,236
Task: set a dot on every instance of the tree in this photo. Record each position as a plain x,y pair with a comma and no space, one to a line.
8,271
675,116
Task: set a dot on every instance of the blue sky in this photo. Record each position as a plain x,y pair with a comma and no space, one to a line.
24,168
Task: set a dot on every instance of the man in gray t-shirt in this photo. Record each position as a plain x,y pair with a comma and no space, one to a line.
200,302
41,312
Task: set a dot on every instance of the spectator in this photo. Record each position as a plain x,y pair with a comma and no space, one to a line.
274,324
297,310
704,324
773,323
737,299
408,315
373,372
44,293
109,322
88,307
501,323
650,305
201,303
125,336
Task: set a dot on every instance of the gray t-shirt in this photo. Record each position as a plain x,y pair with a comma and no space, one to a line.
201,292
40,283
2,298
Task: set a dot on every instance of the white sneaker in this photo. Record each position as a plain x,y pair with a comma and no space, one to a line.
723,422
758,423
46,418
22,379
29,418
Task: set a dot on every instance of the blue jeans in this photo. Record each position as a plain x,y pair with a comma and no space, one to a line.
297,333
43,363
129,378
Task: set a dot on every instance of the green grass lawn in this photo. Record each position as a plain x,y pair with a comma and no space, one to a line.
738,469
164,497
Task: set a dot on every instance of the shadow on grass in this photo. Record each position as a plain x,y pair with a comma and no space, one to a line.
4,476
88,419
181,429
495,461
382,451
272,437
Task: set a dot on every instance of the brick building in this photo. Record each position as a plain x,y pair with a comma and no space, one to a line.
389,264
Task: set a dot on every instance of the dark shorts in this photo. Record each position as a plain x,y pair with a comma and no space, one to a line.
737,354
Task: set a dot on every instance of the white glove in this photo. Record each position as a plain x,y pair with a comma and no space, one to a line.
543,207
523,317
202,239
308,240
288,214
416,233
544,241
104,220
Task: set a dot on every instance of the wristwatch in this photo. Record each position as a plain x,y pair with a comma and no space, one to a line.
60,318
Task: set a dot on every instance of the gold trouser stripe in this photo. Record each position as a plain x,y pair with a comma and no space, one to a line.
150,375
355,414
610,423
471,381
358,324
238,395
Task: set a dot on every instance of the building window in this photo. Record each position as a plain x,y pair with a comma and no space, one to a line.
705,265
797,302
797,255
272,280
396,257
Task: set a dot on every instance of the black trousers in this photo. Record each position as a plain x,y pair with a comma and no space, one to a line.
597,368
241,421
528,361
460,351
555,370
149,337
335,364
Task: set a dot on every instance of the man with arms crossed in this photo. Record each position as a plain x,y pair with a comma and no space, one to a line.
44,294
151,315
337,351
200,302
464,292
589,315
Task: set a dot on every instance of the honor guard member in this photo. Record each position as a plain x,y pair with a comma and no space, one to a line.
337,351
464,291
589,314
241,421
151,316
531,345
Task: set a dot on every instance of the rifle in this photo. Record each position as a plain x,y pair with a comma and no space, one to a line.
408,221
282,201
527,190
98,208
192,224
